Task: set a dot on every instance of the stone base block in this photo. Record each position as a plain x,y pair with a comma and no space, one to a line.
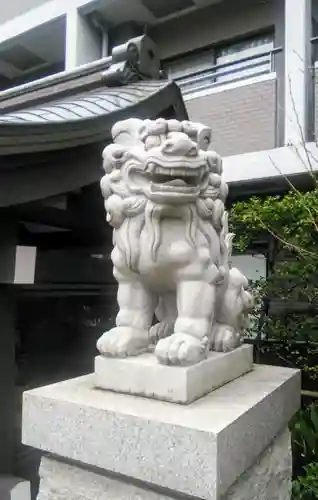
144,376
14,488
199,449
268,479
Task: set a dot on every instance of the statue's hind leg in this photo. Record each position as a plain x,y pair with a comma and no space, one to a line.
136,309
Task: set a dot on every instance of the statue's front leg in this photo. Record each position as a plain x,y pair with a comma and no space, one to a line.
189,342
133,321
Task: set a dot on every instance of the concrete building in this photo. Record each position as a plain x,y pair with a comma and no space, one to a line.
244,67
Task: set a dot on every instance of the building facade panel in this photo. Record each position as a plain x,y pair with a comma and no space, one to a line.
243,119
15,8
212,25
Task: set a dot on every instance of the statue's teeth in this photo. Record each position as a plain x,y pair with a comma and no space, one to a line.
162,170
174,172
151,167
178,172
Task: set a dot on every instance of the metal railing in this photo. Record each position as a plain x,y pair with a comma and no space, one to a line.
228,72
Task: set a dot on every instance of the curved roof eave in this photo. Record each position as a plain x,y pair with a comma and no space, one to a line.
85,118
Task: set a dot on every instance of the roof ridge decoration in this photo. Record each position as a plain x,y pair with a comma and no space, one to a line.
132,61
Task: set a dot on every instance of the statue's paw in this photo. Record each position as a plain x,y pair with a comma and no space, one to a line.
226,339
181,349
123,341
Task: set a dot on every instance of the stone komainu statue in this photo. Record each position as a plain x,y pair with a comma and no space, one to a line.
164,197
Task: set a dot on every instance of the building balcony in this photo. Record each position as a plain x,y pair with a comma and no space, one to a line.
238,100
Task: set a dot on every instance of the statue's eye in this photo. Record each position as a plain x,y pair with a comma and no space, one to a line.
118,154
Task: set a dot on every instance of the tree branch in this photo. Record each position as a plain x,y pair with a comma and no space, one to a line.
286,243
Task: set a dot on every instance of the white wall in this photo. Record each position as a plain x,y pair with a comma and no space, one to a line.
12,8
298,26
270,164
25,265
82,43
252,266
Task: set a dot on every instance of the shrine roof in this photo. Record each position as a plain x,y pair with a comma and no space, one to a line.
131,85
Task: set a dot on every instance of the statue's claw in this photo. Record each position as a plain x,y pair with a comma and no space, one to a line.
181,349
123,341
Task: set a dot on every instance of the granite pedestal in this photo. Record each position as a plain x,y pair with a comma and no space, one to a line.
145,376
229,444
268,479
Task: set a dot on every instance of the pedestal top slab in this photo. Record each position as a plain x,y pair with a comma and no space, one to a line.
144,376
198,449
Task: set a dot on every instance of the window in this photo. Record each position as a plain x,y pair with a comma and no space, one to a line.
223,64
182,69
244,59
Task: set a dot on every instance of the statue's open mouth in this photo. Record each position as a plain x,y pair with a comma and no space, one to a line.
177,179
